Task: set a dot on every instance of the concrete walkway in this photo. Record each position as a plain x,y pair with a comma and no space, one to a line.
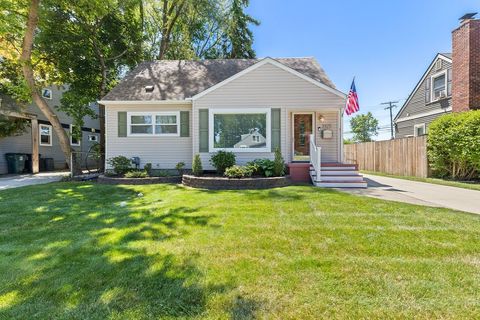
15,181
421,193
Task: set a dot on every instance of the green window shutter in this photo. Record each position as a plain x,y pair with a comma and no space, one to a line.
184,124
275,115
203,130
122,124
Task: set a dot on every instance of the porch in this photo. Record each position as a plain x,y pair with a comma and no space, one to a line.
326,174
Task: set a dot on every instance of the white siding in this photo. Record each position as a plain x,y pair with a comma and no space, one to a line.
272,87
161,152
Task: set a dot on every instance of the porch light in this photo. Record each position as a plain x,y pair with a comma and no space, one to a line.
321,118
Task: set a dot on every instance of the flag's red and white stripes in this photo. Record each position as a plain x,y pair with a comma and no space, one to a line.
352,105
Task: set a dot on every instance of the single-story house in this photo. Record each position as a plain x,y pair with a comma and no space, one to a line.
40,138
167,111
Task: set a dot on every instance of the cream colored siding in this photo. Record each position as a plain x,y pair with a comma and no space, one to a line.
271,87
161,152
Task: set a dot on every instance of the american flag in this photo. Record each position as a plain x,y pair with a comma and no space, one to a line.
352,105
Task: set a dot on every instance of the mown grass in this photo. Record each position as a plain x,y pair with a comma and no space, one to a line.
450,183
71,251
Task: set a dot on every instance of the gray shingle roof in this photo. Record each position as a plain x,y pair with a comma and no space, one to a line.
181,79
446,54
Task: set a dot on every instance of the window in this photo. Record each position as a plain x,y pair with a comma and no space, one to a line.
159,123
92,137
247,130
439,85
74,134
45,134
419,130
47,93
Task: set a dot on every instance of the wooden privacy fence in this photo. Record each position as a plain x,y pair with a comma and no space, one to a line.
402,157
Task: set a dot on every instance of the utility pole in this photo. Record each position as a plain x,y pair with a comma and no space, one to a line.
391,105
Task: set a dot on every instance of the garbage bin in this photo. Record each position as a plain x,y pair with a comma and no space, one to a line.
46,164
29,163
49,166
15,162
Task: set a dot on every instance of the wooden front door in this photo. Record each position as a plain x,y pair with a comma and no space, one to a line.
302,129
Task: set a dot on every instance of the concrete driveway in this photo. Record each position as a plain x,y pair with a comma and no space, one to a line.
421,193
15,181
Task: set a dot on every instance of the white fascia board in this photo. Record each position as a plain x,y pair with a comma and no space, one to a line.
275,63
141,102
438,56
424,114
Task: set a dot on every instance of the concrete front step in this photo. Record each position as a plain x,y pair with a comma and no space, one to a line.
338,172
351,168
341,184
355,178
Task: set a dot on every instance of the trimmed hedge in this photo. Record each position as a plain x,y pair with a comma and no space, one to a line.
454,145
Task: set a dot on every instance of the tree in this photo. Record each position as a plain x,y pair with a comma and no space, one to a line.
239,37
28,73
90,44
364,126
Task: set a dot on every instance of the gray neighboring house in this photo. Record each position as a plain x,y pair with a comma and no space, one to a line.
49,146
431,98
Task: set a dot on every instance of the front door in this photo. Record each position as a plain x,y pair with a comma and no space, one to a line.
302,129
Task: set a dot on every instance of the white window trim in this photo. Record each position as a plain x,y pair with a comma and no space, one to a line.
40,135
212,112
93,135
153,115
71,142
434,76
51,94
420,125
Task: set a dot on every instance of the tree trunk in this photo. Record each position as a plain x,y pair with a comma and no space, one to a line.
26,62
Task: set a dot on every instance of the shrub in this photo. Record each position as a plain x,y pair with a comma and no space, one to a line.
454,145
279,164
222,160
160,173
136,174
120,164
238,172
148,168
197,168
180,167
255,168
263,167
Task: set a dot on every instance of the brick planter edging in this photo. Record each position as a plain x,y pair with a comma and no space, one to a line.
219,183
138,181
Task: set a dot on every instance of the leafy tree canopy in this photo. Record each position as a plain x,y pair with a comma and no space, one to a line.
364,126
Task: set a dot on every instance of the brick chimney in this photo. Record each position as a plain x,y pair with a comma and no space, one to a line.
466,65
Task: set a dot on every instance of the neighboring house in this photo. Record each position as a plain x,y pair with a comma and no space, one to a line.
253,139
49,146
450,84
167,111
431,98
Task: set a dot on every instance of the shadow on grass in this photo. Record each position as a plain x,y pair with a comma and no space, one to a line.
74,252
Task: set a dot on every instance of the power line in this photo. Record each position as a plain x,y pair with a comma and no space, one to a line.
391,105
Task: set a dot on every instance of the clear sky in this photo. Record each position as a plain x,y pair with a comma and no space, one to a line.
386,44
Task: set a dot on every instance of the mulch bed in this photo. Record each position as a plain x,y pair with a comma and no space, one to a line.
138,181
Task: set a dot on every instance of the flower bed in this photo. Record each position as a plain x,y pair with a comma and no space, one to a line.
218,183
137,181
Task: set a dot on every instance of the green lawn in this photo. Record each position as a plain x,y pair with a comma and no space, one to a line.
450,183
71,251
